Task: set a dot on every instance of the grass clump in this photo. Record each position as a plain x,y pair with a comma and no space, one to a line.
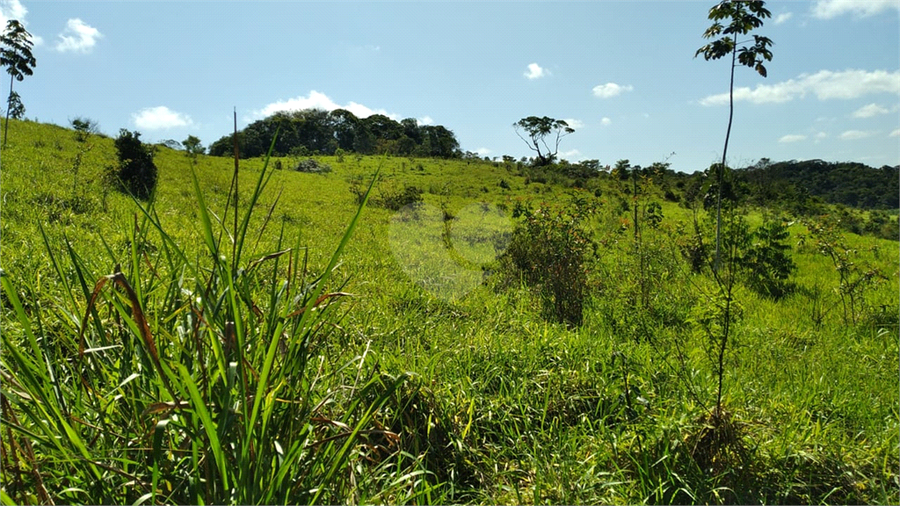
192,379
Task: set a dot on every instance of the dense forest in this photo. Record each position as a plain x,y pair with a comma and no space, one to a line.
848,183
314,131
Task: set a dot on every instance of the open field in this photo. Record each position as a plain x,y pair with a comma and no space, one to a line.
304,351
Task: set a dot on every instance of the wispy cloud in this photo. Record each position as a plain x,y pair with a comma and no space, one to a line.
535,71
824,84
483,151
827,9
317,100
13,9
867,111
784,16
574,123
610,90
160,118
792,138
78,37
852,135
895,133
425,120
606,121
570,153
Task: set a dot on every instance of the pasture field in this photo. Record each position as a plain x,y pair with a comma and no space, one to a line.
309,349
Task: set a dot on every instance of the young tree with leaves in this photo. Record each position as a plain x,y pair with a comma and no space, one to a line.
15,55
538,130
742,16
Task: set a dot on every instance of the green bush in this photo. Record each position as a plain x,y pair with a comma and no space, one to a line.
395,198
767,261
135,173
311,165
549,250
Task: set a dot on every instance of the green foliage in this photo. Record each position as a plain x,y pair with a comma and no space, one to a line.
193,147
16,57
550,250
767,261
319,132
16,108
395,198
794,185
478,400
135,173
743,16
311,165
84,128
855,279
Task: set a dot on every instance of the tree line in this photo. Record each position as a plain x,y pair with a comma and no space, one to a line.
314,131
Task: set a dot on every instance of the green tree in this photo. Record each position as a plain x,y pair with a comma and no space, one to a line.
16,56
16,108
743,17
136,173
538,130
84,127
193,147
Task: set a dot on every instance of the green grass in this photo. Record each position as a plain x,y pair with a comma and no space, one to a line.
237,382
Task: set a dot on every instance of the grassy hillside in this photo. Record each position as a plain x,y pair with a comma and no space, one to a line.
391,368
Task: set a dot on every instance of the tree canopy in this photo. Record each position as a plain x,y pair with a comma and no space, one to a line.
15,55
312,131
538,131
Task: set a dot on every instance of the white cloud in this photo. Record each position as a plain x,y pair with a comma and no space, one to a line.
606,121
792,138
159,118
821,135
827,9
425,120
535,71
317,100
784,16
824,84
570,153
13,9
574,123
852,135
895,133
78,36
867,111
483,151
609,90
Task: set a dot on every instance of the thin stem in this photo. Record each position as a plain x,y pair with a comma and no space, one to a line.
721,170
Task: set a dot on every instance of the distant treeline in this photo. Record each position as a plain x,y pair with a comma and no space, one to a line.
314,131
800,188
848,183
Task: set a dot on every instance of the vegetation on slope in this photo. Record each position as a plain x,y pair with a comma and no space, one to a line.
188,351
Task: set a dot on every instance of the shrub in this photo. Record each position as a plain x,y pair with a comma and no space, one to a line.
549,250
767,260
394,199
312,166
135,173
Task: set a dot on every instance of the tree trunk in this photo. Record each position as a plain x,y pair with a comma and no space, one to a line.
8,107
721,170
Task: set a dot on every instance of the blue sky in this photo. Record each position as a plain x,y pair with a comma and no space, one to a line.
622,73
